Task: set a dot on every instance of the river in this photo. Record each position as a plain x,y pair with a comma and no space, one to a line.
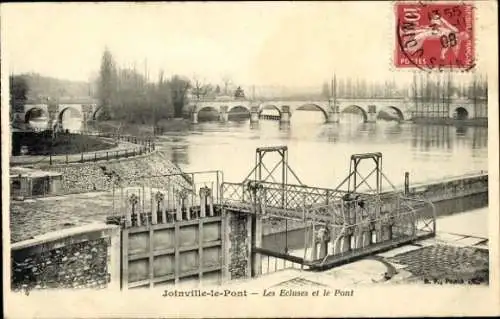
319,153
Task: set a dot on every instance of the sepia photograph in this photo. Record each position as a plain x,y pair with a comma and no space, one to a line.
205,159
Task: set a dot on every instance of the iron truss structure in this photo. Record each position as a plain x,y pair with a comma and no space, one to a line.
357,218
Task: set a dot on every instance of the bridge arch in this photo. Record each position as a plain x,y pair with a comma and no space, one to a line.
461,113
207,108
269,107
34,113
308,106
239,107
238,112
396,109
208,112
69,109
355,107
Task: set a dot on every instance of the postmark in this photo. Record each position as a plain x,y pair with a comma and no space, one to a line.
434,36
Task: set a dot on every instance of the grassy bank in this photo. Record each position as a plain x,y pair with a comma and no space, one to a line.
163,126
65,143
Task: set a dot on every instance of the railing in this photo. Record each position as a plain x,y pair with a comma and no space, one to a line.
352,231
167,198
269,117
347,225
145,145
288,197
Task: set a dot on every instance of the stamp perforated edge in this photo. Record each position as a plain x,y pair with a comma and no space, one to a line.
391,38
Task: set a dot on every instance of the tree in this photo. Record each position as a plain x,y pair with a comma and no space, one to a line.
162,106
341,88
348,88
325,91
18,93
106,85
217,90
239,93
227,81
363,89
178,88
201,89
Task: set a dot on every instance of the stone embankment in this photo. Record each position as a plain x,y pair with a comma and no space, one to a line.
100,176
82,257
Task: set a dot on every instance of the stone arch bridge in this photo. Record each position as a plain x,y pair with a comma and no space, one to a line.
368,108
50,115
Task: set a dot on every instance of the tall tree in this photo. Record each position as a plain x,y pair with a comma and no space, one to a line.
162,105
325,91
348,88
106,84
18,93
363,89
226,80
178,88
341,89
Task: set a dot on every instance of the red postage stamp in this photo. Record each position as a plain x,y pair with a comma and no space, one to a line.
434,36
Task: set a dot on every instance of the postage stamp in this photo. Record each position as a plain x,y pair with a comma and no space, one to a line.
434,36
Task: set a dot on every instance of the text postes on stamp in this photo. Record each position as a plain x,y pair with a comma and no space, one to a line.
434,36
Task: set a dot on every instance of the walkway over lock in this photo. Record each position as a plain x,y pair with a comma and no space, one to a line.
340,224
195,212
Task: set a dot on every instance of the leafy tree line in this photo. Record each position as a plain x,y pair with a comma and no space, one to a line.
124,94
442,86
427,87
360,88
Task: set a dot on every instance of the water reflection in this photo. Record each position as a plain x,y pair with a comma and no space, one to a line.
179,154
320,151
426,137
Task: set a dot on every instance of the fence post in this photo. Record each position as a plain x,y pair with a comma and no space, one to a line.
66,158
81,158
107,157
50,159
407,183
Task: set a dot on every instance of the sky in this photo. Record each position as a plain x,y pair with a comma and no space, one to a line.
283,44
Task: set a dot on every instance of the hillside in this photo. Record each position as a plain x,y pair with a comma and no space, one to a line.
43,86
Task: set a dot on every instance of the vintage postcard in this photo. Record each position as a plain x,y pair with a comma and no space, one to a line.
250,159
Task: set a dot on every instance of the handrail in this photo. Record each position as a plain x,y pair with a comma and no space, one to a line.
143,146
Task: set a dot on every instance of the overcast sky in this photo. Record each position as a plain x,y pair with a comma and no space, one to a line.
292,44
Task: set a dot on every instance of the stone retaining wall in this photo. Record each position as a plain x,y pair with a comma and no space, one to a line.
453,188
85,177
81,257
238,247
